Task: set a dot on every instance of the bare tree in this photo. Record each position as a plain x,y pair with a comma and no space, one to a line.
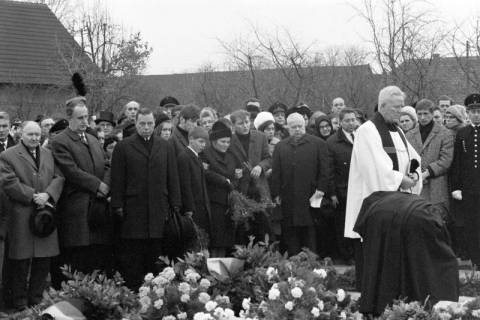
465,46
405,35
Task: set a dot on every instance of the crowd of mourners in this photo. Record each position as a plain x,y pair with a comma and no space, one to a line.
97,192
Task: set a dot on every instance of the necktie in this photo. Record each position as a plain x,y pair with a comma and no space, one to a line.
2,146
83,138
34,153
353,137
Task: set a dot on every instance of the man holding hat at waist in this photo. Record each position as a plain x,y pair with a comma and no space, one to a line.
32,182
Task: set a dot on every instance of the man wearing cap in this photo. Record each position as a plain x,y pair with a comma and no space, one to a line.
381,159
192,179
106,121
279,110
188,117
299,175
302,109
145,187
465,181
31,181
253,108
80,158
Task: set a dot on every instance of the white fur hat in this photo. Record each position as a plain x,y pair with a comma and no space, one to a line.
262,118
295,118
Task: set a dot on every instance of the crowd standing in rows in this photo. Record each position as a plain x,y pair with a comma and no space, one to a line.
96,192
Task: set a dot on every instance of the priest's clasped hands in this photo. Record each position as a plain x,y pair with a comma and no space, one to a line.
409,181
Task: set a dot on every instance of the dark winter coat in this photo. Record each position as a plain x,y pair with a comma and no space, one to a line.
178,140
299,169
406,251
145,184
220,168
83,168
339,156
194,188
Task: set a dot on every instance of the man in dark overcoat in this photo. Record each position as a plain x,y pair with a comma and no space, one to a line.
250,148
300,172
340,147
193,181
465,175
145,187
30,180
80,158
6,141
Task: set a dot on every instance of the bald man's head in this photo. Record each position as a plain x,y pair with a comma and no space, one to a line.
31,134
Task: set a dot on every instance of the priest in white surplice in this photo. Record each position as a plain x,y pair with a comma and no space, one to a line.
381,160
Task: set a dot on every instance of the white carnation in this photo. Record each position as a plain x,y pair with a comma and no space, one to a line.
246,304
273,294
210,305
315,312
158,304
322,273
203,297
340,295
205,283
289,305
296,292
143,291
185,298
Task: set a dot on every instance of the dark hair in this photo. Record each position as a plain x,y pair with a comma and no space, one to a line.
425,104
436,108
109,140
239,115
190,112
144,112
345,111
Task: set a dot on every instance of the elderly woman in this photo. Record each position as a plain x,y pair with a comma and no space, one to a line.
455,118
408,118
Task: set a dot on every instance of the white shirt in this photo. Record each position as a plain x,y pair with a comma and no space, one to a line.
194,152
348,135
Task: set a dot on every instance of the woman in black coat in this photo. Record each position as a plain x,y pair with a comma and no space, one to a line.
221,177
323,127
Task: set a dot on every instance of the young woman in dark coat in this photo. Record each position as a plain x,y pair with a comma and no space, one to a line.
221,177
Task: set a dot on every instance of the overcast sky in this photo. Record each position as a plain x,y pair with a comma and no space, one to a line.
183,33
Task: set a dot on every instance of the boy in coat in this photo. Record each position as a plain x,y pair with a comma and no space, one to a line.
192,179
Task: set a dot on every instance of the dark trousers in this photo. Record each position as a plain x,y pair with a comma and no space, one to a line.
296,238
136,258
344,245
27,291
472,226
83,258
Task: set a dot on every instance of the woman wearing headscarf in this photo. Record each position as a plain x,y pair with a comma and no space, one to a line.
323,127
408,118
455,118
221,176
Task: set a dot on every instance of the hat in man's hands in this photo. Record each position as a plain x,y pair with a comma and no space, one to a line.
42,221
